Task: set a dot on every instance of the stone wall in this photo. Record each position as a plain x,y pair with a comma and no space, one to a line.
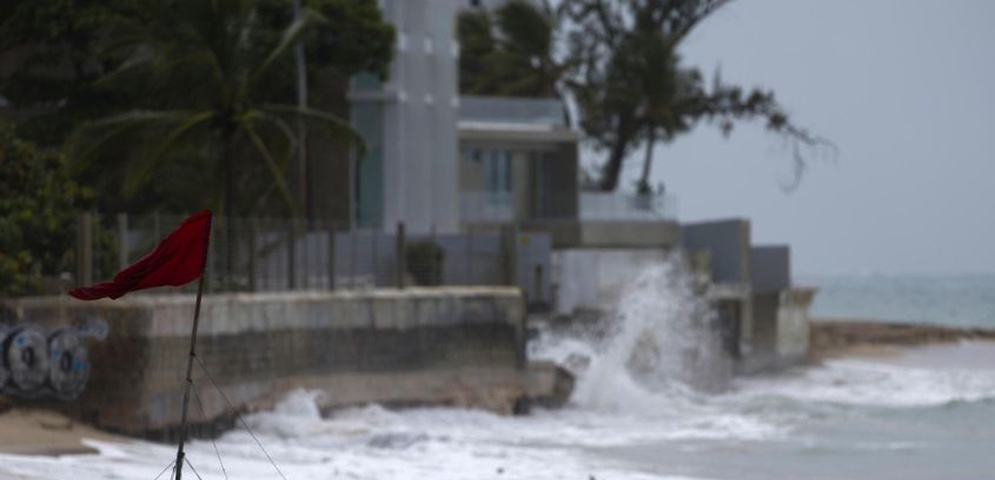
460,346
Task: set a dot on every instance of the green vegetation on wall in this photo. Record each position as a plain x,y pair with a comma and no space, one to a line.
37,215
424,260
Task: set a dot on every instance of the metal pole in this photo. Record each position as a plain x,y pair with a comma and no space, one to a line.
189,385
302,169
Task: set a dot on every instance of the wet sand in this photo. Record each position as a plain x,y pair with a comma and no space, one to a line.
844,338
31,431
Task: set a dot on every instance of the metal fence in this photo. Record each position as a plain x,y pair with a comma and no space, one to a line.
266,254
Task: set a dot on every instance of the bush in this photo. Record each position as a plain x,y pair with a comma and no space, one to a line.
424,261
37,215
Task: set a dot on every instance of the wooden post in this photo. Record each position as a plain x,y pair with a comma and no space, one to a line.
291,256
122,240
469,257
510,238
251,257
402,267
331,255
84,262
352,258
537,283
375,254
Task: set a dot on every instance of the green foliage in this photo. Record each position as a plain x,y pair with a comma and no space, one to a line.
521,61
50,48
176,85
37,215
210,76
424,261
477,45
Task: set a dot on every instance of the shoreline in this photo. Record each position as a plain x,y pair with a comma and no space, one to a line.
836,337
38,431
41,431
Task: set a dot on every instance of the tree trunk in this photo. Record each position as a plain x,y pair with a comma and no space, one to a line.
228,159
611,171
644,179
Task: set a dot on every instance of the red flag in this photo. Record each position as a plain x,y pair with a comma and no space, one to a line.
177,260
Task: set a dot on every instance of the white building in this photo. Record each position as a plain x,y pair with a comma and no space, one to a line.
410,173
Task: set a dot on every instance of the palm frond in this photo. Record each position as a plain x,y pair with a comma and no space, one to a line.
290,37
334,125
149,162
92,137
274,167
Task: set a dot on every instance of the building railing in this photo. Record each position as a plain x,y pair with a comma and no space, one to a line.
265,254
499,207
609,206
531,111
487,207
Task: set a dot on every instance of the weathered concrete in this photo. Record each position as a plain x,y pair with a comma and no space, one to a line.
728,243
460,346
570,234
770,268
780,330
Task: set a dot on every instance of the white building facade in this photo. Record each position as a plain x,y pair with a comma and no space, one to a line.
410,172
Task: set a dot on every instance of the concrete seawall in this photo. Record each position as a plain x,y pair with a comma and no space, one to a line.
458,346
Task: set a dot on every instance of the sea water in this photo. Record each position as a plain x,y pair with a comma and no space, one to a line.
957,300
929,414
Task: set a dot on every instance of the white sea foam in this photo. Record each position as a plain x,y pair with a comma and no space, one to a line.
619,403
876,383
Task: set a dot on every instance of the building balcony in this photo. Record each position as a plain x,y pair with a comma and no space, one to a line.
487,207
627,207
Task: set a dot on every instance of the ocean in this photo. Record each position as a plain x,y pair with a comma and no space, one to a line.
955,300
927,414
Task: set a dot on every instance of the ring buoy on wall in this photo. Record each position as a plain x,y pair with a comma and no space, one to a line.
69,365
4,371
26,358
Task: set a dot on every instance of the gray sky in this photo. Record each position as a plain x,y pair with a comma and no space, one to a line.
906,88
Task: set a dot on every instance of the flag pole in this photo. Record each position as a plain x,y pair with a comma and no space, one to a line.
189,385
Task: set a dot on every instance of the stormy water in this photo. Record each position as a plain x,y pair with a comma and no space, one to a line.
651,402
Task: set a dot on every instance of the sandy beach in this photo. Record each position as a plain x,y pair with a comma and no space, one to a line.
33,431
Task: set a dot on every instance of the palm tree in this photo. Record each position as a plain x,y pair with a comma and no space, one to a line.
208,74
522,60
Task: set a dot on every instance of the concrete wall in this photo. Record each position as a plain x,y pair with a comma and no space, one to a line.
609,235
780,330
794,325
454,346
771,268
727,241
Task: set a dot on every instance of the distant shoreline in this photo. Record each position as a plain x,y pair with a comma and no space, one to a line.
834,338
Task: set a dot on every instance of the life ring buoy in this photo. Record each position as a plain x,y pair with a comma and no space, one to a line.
69,364
4,371
26,358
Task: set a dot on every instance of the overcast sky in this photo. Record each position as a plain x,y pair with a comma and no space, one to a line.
906,89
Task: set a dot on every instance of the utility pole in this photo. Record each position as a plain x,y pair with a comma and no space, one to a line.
302,163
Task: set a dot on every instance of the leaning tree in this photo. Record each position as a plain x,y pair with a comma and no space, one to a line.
618,62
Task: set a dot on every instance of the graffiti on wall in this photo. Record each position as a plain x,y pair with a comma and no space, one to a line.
38,362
